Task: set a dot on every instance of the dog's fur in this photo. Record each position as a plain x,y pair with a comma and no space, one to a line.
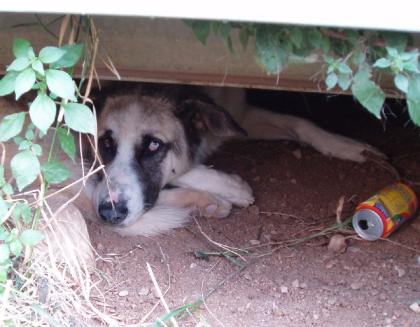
154,140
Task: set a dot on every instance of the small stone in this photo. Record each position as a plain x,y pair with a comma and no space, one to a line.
357,285
295,283
193,265
99,247
247,276
123,293
297,153
330,264
316,317
400,271
254,242
415,307
303,285
144,291
388,321
337,244
284,289
353,249
155,293
254,210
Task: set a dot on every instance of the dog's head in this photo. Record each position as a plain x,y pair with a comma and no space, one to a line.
145,142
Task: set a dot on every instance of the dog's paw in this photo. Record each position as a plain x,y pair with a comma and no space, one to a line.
210,205
238,192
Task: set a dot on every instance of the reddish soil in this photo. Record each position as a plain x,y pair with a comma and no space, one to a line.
297,191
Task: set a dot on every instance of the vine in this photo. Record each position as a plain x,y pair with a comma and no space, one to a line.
55,109
353,60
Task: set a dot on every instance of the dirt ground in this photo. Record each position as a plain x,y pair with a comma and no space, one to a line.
296,191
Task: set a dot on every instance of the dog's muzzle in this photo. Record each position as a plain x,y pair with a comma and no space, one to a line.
113,213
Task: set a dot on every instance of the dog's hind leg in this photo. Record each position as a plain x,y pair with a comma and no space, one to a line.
266,125
227,186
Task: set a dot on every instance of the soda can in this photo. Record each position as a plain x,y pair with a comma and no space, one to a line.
383,213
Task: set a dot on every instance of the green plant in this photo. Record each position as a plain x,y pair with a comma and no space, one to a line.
54,109
353,60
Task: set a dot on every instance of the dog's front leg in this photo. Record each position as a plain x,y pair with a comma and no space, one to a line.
200,203
227,186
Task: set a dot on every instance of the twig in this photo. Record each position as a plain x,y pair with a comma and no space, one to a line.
162,299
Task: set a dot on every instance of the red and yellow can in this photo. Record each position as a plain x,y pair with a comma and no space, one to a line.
381,214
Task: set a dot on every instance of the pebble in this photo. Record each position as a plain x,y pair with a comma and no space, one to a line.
353,249
254,210
284,289
295,283
144,291
316,317
123,293
330,264
357,285
337,244
297,154
193,265
400,271
415,306
254,242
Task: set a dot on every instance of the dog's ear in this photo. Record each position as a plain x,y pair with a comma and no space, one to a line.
209,116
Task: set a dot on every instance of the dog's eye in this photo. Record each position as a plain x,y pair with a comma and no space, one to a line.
154,145
107,147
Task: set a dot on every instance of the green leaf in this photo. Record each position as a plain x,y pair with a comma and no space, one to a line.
55,172
382,63
8,189
38,67
392,52
395,40
70,58
67,143
344,81
19,64
61,84
296,36
4,252
11,125
331,80
201,29
25,168
401,82
358,57
344,68
22,210
369,95
49,55
31,237
42,111
24,82
315,38
37,149
16,247
79,118
21,47
7,83
413,98
267,50
25,145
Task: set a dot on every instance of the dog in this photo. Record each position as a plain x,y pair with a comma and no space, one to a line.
154,140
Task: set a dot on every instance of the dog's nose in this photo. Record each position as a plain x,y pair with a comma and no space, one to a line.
113,214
